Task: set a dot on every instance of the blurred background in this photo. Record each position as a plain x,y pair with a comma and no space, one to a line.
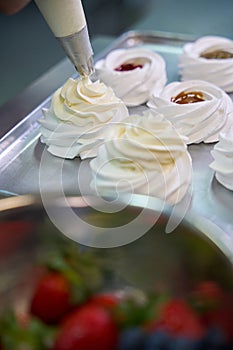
28,48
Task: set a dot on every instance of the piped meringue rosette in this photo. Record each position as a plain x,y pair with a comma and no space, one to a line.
223,160
133,74
209,58
144,155
198,109
74,125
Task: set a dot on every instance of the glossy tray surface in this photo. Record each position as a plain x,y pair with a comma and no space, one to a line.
21,153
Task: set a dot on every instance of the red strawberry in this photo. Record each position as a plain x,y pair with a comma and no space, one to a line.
51,299
178,319
106,300
86,328
216,306
222,316
208,294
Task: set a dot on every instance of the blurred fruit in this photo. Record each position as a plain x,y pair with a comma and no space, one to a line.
132,339
89,327
106,300
207,295
178,319
222,319
157,340
51,298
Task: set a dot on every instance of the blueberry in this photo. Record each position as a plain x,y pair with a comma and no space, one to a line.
132,339
214,340
183,343
157,340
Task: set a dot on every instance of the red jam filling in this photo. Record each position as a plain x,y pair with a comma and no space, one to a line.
127,67
188,97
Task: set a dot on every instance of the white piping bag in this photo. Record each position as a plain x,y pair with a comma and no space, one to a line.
67,21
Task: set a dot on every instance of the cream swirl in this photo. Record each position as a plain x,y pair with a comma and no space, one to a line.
209,58
198,109
74,123
133,74
145,155
223,159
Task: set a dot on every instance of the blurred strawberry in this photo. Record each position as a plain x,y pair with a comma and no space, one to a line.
209,290
178,319
86,328
222,317
207,295
51,298
215,306
106,300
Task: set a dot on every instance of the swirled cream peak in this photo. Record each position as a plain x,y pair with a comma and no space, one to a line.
133,74
209,58
198,109
144,155
74,124
223,159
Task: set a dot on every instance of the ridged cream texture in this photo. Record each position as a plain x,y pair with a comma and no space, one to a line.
200,121
216,71
74,125
135,86
144,155
223,160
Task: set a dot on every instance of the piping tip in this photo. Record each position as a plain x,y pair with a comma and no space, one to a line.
86,69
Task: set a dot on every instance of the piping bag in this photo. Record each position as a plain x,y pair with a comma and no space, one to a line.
67,21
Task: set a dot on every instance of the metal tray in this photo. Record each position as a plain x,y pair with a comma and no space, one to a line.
21,153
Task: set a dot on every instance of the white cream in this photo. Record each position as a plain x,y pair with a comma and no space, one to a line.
74,125
135,86
217,71
144,155
200,121
223,159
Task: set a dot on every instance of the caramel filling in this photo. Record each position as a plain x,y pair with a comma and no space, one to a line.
217,54
188,97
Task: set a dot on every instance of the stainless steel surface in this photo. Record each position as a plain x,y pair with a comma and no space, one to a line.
22,152
16,109
78,48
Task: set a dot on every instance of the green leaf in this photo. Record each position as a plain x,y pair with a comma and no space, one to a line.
36,336
130,312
